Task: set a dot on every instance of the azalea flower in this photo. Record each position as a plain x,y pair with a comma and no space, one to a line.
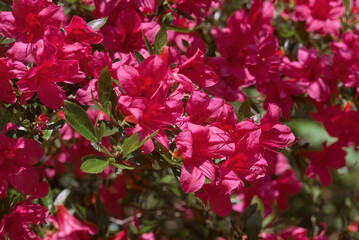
16,159
15,225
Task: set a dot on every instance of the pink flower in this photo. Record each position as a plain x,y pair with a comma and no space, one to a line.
320,162
48,71
69,227
123,33
9,69
143,80
293,233
27,23
197,71
312,72
218,192
203,110
111,195
346,59
16,159
286,185
321,16
340,124
79,31
198,145
15,225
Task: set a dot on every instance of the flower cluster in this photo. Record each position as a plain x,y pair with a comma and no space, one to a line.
128,119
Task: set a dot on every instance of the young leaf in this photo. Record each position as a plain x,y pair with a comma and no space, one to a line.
148,44
15,133
244,110
94,164
160,40
347,7
138,56
78,120
121,166
254,226
105,87
97,23
8,41
178,29
133,143
182,13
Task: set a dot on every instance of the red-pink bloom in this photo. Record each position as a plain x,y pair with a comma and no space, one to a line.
69,227
293,233
340,124
43,77
79,31
346,59
322,233
198,145
197,71
246,159
15,225
321,16
9,69
41,123
218,192
320,161
123,33
27,23
16,159
202,110
273,134
311,73
158,113
286,185
144,80
197,8
110,196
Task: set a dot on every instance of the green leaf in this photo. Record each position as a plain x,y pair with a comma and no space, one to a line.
5,117
251,222
246,214
182,13
133,143
121,166
160,40
177,29
101,215
94,164
139,57
148,44
244,110
15,133
254,226
80,121
97,23
105,87
347,7
8,41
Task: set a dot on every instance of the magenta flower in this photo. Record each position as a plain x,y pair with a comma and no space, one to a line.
27,23
198,145
69,227
16,159
43,78
218,192
143,80
320,161
312,72
321,16
9,69
15,225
